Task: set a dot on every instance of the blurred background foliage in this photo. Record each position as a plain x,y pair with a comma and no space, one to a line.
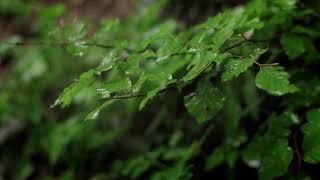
163,141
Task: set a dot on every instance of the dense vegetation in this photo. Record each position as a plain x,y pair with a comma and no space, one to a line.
152,97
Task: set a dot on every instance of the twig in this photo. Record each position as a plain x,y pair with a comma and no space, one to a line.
261,65
64,44
235,45
125,96
130,95
80,43
59,44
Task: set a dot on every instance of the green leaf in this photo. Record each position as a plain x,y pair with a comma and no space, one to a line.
58,137
52,12
78,48
216,158
235,67
221,36
135,167
116,86
65,98
270,151
181,169
138,85
201,62
131,66
311,145
276,160
204,102
72,32
107,63
274,80
149,14
215,21
95,113
226,152
298,29
286,4
106,28
159,32
75,31
293,45
162,80
251,155
308,95
48,17
232,157
169,45
150,95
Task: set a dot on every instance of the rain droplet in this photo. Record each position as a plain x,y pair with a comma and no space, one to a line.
94,115
56,102
192,50
104,93
128,72
255,163
161,58
80,54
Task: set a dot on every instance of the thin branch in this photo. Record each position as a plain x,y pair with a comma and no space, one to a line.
271,64
125,96
79,43
257,63
261,65
235,45
104,46
130,95
58,44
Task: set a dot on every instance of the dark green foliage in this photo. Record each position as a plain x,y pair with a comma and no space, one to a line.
310,141
204,102
146,98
